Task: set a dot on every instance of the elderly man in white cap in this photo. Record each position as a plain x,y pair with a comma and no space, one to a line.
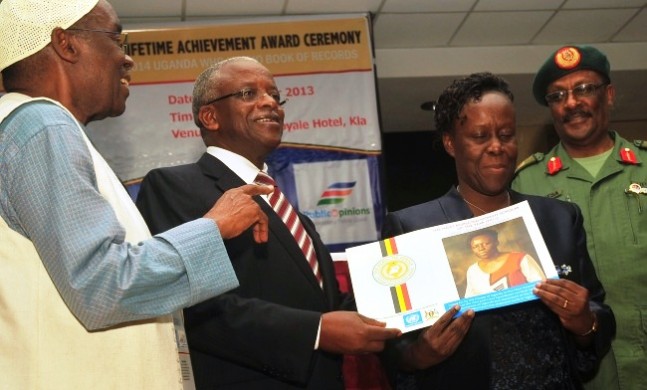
85,292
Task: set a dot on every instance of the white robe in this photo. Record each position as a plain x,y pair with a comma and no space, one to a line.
43,345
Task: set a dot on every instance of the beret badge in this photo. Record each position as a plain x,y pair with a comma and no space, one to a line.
568,57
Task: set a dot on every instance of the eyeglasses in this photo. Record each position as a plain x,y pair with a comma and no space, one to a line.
579,91
121,37
249,95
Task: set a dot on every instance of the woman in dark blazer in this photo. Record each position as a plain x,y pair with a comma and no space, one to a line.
554,342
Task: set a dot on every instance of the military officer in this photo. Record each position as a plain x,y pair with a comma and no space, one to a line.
606,175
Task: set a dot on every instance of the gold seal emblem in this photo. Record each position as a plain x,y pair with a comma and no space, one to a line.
567,58
393,270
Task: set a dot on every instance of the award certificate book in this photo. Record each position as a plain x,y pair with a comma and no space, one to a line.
482,263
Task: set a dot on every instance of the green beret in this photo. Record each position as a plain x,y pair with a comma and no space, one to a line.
567,60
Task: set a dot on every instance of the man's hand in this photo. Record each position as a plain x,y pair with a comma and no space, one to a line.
439,341
236,211
348,332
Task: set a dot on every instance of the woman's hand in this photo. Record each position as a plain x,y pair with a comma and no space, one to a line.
439,341
570,302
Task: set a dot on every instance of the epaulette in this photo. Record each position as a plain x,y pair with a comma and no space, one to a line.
530,160
641,144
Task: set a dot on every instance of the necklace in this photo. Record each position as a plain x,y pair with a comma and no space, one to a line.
477,207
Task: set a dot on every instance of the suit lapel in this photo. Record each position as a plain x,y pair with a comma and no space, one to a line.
326,266
225,179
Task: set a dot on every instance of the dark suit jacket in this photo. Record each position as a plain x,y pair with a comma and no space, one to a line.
561,226
262,334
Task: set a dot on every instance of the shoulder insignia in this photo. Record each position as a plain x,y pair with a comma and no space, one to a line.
530,160
628,156
554,165
641,144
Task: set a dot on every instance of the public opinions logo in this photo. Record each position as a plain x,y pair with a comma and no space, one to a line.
334,195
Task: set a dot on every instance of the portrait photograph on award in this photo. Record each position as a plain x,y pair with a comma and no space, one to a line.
493,259
483,263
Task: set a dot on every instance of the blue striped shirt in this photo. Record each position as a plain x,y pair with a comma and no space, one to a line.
49,194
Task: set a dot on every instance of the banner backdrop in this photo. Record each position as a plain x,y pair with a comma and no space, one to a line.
328,163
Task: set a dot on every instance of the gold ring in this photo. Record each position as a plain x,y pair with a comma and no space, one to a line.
565,303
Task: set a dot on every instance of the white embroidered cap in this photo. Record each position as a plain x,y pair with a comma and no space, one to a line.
27,25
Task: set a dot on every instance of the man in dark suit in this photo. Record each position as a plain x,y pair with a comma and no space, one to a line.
283,327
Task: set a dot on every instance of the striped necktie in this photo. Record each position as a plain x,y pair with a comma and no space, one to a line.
286,212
